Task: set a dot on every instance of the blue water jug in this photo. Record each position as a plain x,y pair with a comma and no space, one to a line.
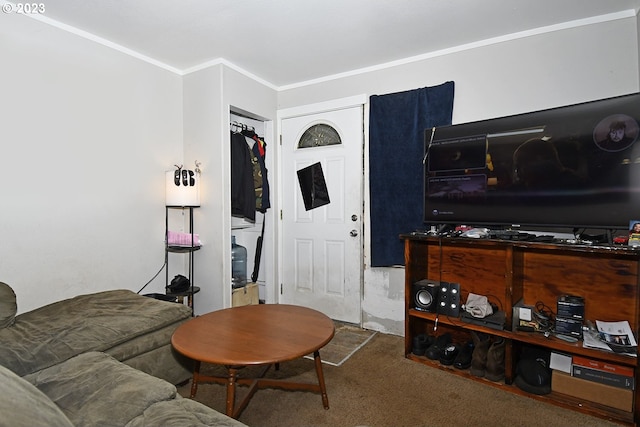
238,264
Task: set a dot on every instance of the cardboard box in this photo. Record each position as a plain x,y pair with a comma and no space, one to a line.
603,372
603,377
246,295
603,394
603,366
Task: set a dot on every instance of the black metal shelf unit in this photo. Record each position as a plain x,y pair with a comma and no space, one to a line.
189,293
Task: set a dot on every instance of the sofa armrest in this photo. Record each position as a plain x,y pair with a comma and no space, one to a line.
23,405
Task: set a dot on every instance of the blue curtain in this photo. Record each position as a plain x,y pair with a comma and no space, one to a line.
397,124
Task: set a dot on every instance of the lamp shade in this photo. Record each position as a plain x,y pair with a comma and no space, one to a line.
182,188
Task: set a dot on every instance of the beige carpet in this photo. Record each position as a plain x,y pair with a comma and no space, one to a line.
378,387
347,340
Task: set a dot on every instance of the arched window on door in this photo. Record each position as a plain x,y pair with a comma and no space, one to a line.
319,135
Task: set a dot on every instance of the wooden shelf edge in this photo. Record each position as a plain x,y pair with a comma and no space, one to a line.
553,398
591,408
457,322
622,250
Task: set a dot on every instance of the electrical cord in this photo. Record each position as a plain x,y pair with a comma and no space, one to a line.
544,317
435,325
156,275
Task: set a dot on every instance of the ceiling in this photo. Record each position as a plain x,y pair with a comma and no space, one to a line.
289,42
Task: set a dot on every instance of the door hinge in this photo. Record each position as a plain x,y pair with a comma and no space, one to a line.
281,289
280,139
280,214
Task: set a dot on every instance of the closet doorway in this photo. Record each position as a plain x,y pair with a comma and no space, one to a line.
321,237
248,233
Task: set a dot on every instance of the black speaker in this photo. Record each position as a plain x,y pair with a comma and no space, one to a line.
425,295
449,299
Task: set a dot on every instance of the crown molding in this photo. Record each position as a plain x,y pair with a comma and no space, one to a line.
629,13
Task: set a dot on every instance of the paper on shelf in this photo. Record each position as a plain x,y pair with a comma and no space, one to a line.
616,333
591,339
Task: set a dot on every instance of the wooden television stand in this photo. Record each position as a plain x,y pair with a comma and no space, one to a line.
510,271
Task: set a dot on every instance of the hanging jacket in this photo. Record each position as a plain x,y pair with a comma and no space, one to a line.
259,151
243,201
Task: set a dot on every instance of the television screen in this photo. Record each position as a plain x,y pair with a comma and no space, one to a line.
573,166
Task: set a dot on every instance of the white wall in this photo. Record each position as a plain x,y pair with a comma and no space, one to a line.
209,95
202,110
492,80
86,134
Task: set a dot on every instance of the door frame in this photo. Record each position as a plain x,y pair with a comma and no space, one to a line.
304,110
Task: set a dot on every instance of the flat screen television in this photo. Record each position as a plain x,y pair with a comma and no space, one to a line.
576,166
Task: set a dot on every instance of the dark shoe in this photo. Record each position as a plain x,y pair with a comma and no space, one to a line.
481,343
449,354
435,350
495,361
463,360
420,344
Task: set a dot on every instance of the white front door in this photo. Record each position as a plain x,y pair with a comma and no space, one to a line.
322,253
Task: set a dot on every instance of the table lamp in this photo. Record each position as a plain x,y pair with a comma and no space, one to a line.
182,187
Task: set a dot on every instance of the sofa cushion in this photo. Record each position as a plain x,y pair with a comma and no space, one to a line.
23,405
94,389
182,412
93,322
163,362
8,306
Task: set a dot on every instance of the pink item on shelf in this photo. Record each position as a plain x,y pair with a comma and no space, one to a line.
175,238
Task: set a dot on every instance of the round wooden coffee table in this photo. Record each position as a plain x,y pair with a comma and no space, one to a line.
264,334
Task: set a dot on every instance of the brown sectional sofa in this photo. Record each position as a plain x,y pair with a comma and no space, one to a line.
101,359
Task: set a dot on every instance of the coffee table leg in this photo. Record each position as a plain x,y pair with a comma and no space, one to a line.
323,388
196,377
231,390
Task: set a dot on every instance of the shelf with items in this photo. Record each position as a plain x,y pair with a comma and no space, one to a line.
508,272
192,246
533,338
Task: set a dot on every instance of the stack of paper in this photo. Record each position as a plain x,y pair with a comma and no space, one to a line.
612,336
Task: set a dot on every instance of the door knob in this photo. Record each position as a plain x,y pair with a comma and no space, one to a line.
353,233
